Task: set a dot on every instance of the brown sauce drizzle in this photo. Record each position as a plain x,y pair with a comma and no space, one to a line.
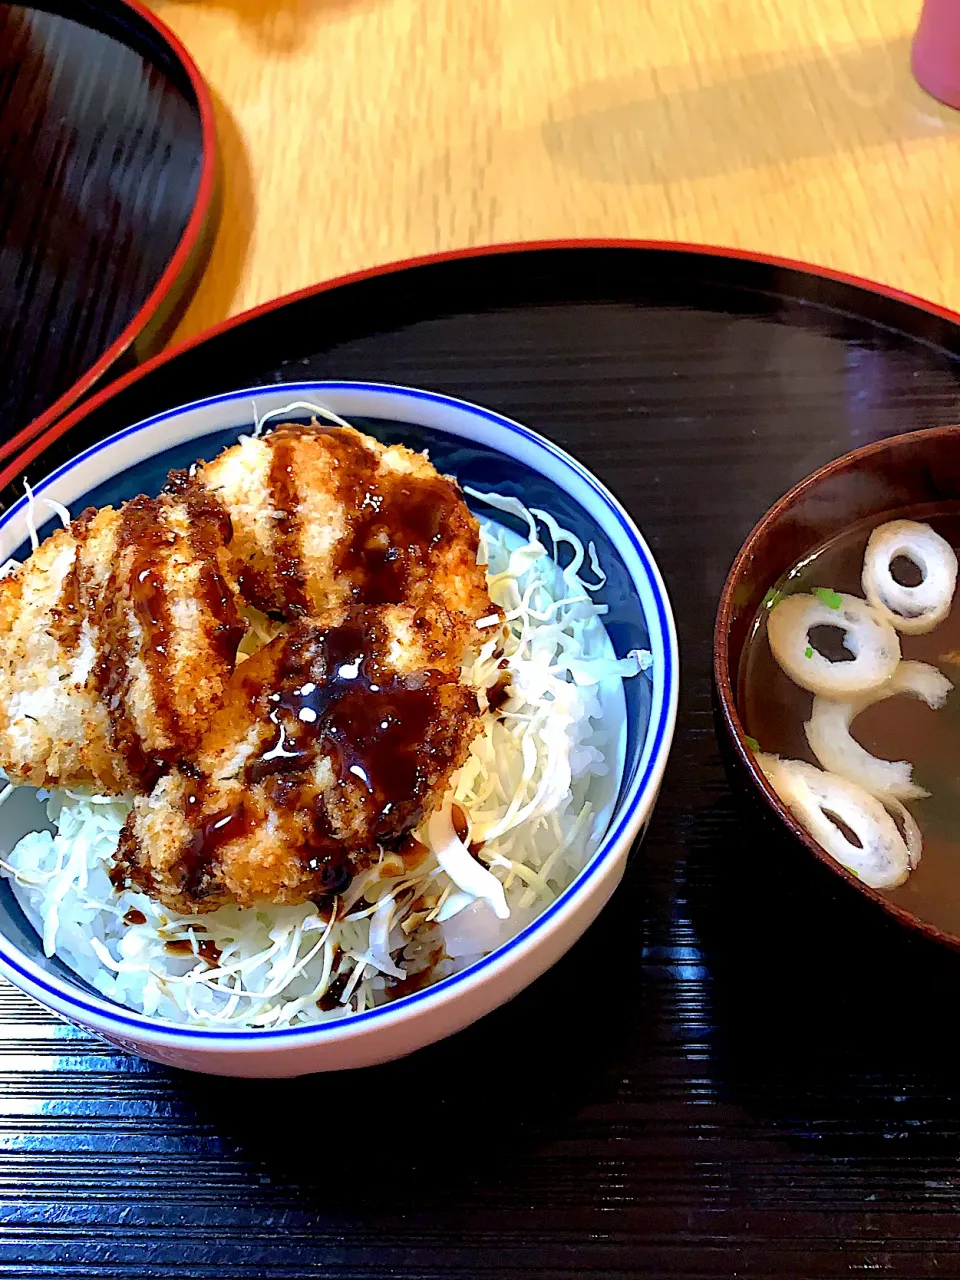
196,866
334,875
70,610
145,537
334,697
399,987
145,541
180,483
209,951
285,499
144,530
135,916
322,855
287,762
460,824
398,526
381,741
210,531
498,693
395,521
330,695
331,998
412,851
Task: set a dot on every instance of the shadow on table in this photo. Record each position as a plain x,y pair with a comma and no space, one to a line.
668,124
832,1024
412,1133
284,25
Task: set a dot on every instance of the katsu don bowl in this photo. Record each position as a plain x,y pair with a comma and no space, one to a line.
329,714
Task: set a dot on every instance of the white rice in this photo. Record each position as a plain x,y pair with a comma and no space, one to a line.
537,789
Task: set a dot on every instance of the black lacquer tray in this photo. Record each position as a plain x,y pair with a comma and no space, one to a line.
742,1069
107,183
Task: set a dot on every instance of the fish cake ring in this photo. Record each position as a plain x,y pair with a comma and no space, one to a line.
867,635
830,739
915,609
832,810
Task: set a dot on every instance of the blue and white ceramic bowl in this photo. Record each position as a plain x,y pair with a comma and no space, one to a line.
485,451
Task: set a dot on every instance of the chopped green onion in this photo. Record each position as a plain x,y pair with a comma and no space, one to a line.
808,652
771,598
752,743
826,595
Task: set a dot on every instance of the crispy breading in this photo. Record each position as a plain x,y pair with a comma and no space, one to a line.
116,639
276,780
326,516
334,741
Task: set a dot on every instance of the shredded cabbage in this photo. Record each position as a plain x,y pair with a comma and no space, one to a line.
537,791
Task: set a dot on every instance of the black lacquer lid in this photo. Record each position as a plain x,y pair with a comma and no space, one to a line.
107,164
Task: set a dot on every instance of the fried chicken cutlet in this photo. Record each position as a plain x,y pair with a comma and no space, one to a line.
117,637
335,739
325,516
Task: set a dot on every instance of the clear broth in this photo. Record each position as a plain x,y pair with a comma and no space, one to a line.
774,711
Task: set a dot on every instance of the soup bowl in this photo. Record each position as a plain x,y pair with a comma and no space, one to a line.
917,475
482,449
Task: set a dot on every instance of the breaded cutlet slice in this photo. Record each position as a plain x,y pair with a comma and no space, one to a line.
335,740
324,516
117,637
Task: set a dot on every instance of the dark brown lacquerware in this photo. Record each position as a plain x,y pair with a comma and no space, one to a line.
881,481
107,199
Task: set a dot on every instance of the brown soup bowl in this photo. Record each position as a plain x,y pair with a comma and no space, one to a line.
901,475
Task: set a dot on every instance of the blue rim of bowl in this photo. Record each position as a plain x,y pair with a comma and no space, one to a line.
611,838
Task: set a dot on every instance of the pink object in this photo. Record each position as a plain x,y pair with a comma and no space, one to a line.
936,50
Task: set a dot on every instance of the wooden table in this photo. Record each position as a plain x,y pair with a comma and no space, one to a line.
357,132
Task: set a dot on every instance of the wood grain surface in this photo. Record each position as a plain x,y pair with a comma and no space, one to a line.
357,132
